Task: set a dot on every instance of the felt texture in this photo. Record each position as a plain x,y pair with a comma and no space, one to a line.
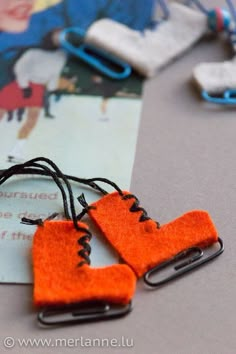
141,244
216,77
149,51
59,280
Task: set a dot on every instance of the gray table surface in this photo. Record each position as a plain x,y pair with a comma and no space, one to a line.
185,160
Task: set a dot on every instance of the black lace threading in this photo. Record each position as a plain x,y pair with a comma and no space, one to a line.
86,250
20,169
38,222
61,175
107,181
42,169
34,171
65,180
136,208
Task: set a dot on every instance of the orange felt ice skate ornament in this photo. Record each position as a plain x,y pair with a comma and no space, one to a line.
67,290
65,282
148,247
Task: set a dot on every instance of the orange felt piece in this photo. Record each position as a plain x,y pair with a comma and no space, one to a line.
141,244
59,280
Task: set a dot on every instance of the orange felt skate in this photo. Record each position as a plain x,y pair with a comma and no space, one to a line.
148,247
67,286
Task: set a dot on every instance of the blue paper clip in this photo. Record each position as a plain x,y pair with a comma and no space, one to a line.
101,60
228,97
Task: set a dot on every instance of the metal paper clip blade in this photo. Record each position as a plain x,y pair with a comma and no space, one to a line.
183,262
228,98
81,313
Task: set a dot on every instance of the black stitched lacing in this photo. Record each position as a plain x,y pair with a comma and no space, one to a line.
136,208
86,250
133,209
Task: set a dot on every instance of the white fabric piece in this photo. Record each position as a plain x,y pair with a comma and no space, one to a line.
216,77
149,51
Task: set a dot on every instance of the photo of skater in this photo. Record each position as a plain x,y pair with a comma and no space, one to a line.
32,63
90,82
23,81
37,75
54,105
107,89
32,75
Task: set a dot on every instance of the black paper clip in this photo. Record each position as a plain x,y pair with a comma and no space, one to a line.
183,267
81,313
